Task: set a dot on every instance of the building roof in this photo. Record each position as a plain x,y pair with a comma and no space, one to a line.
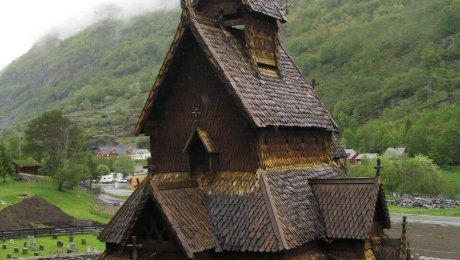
266,7
368,156
395,152
337,148
351,153
348,206
140,151
270,211
27,163
119,149
288,100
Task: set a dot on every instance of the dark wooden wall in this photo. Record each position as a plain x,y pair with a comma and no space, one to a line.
192,83
293,147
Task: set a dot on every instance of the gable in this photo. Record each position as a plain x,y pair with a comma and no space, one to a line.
287,100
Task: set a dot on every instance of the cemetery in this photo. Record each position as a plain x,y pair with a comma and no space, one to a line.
44,246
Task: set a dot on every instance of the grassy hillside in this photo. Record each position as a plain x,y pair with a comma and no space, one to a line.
387,70
78,204
98,77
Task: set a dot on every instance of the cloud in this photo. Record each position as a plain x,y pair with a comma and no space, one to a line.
24,22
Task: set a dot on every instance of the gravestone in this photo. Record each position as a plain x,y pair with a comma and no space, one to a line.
88,249
16,250
41,247
55,236
30,238
36,254
59,243
8,256
32,245
83,241
25,243
69,251
25,251
71,238
11,241
72,246
4,246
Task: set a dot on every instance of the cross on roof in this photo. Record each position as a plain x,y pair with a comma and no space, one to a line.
378,167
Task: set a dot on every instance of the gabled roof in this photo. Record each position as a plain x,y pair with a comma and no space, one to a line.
395,152
121,225
27,163
269,211
266,7
205,139
296,210
367,155
348,206
287,100
350,153
119,149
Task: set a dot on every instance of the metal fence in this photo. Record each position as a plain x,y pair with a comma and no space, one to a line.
7,234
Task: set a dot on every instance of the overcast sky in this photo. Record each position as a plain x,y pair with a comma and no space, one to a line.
23,22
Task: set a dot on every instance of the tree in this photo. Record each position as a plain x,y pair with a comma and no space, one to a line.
52,138
124,165
102,169
69,175
5,163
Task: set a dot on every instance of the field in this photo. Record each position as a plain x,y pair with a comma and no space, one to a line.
76,203
50,245
452,174
420,211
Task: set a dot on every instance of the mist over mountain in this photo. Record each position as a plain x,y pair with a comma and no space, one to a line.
387,71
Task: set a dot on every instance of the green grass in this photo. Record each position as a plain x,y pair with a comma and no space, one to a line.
51,246
452,174
455,212
74,202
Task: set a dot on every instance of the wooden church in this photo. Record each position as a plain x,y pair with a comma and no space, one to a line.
244,159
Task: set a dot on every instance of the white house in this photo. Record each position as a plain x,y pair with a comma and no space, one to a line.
140,154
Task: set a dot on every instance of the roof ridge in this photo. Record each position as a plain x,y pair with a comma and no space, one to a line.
272,211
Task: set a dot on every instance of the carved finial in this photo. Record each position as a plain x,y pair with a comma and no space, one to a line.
404,223
314,84
196,115
378,167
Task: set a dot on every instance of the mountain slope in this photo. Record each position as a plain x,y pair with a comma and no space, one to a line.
388,70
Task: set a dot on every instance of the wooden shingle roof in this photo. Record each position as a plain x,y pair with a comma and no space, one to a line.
295,207
121,225
270,211
287,100
348,206
266,7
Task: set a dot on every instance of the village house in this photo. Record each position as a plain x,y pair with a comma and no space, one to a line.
395,153
352,156
242,159
113,150
140,154
368,156
27,166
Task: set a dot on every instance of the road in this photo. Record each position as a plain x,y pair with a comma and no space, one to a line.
423,219
430,237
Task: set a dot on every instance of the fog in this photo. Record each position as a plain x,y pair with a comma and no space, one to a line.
24,22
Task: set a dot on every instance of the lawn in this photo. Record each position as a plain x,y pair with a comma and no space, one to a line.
74,202
452,174
455,212
50,245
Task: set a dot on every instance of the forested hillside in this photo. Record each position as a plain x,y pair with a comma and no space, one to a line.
389,71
